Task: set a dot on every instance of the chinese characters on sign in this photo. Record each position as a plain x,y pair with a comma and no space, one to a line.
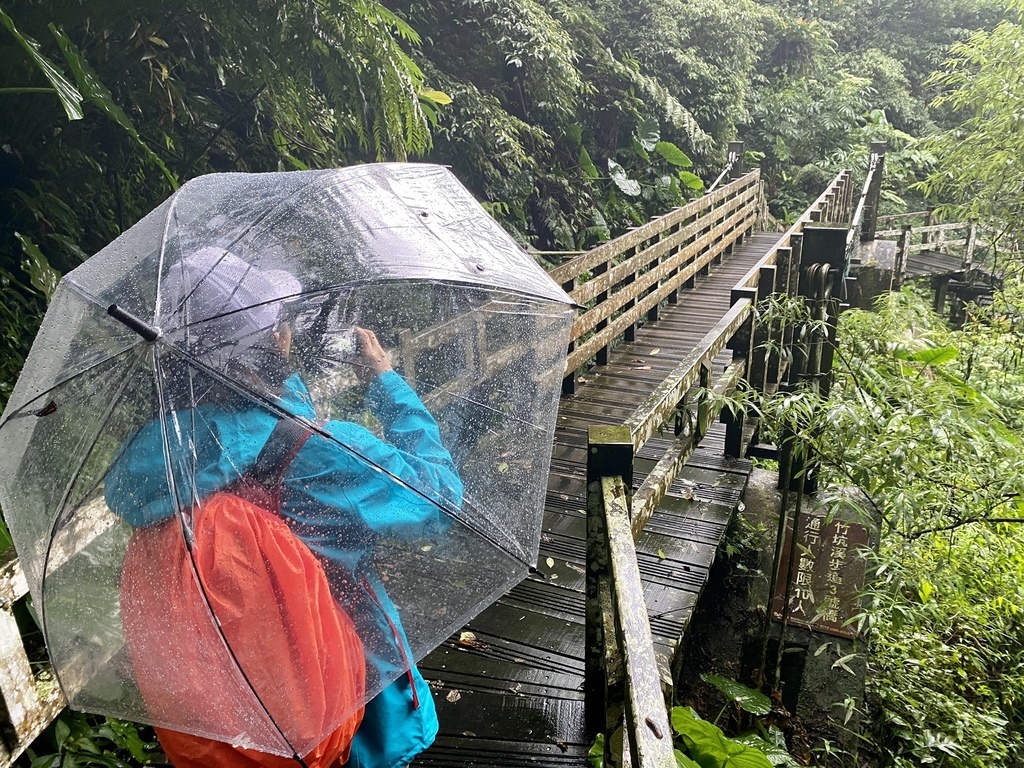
828,577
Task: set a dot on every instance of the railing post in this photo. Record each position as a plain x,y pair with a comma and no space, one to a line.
972,241
870,221
929,220
569,380
740,344
601,358
783,266
757,373
609,454
630,332
734,155
899,269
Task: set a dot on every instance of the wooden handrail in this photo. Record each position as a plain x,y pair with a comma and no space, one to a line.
645,716
749,280
629,277
606,251
651,493
653,412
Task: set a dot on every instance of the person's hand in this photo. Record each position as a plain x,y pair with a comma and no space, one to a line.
373,359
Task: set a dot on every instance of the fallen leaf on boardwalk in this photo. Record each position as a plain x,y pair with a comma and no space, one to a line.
453,696
637,360
551,562
654,351
661,554
469,640
503,467
562,746
583,511
426,548
516,688
581,380
641,368
469,734
517,660
553,576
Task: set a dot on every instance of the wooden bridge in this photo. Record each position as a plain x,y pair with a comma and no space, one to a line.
644,482
589,645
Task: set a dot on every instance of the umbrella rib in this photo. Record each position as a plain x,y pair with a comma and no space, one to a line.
252,225
19,411
172,485
114,401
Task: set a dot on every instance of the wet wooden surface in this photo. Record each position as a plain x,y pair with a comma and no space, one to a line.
925,263
515,697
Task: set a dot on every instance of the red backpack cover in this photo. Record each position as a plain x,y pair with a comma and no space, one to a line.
287,639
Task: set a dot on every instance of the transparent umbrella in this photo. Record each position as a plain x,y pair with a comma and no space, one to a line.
253,305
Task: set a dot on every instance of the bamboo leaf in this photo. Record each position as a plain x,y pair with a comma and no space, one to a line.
587,165
69,96
99,95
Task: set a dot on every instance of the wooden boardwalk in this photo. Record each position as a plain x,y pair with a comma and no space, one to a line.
512,694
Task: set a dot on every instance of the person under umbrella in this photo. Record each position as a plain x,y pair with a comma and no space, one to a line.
337,487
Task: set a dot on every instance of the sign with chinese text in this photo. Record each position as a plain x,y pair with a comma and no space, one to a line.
828,577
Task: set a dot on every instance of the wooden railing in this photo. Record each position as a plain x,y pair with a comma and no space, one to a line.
624,687
920,231
31,696
624,281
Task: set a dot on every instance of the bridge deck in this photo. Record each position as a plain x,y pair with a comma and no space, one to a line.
512,695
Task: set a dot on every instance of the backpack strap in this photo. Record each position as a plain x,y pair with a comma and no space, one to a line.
262,483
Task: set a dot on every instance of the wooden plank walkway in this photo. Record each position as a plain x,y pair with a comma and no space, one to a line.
933,263
514,695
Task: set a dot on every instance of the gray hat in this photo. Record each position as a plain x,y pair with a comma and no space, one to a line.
230,304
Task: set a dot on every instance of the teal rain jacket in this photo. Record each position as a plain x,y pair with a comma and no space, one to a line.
338,505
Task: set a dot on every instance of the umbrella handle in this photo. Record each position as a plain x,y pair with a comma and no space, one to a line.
144,329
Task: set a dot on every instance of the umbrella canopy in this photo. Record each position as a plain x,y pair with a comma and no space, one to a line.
159,375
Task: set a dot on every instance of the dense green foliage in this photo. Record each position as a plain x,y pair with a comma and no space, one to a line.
981,173
927,423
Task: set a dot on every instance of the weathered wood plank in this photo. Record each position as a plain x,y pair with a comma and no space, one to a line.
645,420
646,717
656,485
586,350
667,245
701,251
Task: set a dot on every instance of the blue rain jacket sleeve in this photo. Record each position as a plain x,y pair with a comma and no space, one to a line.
396,487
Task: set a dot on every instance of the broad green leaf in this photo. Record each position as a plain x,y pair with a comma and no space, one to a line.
437,97
587,165
748,699
648,132
99,95
934,355
777,755
43,277
69,96
682,761
673,154
690,180
595,757
710,748
622,181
